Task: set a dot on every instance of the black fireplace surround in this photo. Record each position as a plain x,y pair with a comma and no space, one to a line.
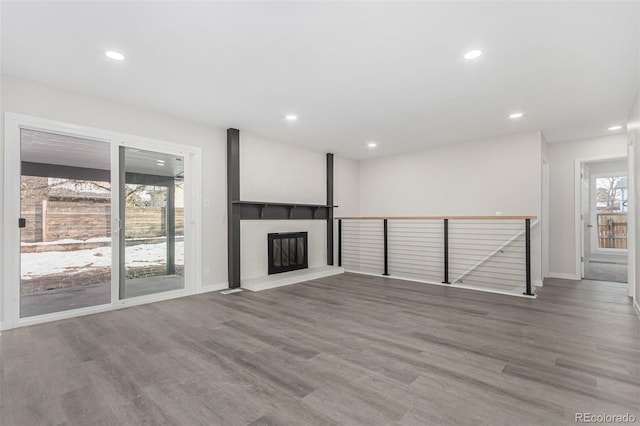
287,252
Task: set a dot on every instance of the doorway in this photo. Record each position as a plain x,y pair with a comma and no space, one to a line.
94,221
604,220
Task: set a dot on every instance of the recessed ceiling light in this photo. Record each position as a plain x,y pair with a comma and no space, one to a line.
372,144
116,56
516,115
473,54
291,117
615,127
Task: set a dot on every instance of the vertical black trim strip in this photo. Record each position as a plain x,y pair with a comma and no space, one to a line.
122,223
446,252
527,248
339,242
329,209
386,247
233,211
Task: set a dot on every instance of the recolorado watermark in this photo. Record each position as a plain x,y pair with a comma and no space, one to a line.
605,418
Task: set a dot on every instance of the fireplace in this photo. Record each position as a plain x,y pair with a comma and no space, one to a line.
287,252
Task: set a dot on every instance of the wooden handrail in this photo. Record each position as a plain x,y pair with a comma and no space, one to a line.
437,217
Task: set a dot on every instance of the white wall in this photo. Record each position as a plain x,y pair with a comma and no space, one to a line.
346,186
253,243
609,166
279,172
633,129
474,178
346,193
562,226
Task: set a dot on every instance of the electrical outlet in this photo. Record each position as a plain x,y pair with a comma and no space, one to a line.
207,203
206,272
498,213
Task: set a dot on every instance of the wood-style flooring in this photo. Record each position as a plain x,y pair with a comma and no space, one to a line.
347,349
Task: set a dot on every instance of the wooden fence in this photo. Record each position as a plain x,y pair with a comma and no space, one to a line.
612,230
53,220
149,222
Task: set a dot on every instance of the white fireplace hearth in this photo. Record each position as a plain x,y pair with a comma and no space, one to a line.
254,253
287,278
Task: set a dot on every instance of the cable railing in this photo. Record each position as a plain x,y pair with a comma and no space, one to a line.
490,253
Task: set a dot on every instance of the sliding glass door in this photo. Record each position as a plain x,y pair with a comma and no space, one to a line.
152,244
99,223
65,223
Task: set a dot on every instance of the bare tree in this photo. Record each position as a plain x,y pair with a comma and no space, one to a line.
36,189
606,192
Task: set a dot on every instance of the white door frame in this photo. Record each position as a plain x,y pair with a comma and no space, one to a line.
545,219
585,243
632,214
11,272
579,237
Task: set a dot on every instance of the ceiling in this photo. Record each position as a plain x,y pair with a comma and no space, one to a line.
63,150
353,72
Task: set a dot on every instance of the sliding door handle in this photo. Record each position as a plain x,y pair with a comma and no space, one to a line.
116,225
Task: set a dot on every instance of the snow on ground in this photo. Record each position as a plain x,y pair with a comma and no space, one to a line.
51,262
68,241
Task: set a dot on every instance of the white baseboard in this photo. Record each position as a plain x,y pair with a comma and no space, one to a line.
636,308
564,276
213,287
538,283
287,278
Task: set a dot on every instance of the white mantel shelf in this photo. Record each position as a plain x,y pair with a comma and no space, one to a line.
288,278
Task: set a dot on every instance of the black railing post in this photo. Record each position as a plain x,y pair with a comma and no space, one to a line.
339,242
386,248
446,252
527,249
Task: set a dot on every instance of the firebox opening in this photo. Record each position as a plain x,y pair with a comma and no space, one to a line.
287,252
